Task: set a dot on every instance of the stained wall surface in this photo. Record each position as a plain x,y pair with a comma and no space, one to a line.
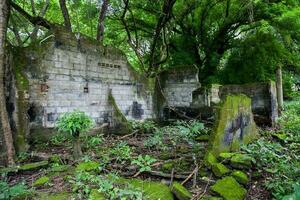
74,74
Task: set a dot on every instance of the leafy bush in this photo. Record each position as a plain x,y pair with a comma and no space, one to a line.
121,152
144,127
180,131
92,142
144,163
280,159
109,186
7,192
74,123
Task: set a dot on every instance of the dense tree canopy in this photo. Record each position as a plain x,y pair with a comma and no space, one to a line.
229,41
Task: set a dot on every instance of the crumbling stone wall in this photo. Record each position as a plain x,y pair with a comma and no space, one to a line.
182,90
178,86
67,73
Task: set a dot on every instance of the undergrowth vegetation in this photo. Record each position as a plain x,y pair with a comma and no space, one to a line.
277,153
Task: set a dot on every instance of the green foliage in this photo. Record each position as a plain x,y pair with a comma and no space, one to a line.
144,127
74,123
144,163
8,192
91,142
109,186
295,195
280,158
58,139
121,152
180,131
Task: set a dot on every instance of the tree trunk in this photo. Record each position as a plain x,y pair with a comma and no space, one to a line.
100,28
7,133
65,14
77,153
279,88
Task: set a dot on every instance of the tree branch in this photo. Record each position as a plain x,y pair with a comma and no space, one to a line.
34,20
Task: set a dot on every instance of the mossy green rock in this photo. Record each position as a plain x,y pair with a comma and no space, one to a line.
240,176
87,166
220,170
96,195
241,161
33,166
229,189
41,181
202,138
234,125
180,191
225,156
210,159
53,196
151,190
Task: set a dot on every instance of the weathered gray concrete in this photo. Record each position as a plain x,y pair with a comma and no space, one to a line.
78,74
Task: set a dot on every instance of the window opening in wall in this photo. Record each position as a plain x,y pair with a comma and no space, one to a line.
86,88
50,117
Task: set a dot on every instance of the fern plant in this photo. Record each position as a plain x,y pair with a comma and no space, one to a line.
75,123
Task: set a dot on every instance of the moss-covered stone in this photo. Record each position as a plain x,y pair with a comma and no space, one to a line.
202,138
152,190
229,189
234,125
122,125
53,196
87,166
33,166
180,191
225,156
241,161
41,181
210,159
240,176
220,170
96,195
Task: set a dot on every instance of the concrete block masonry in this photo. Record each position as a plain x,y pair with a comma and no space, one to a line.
80,77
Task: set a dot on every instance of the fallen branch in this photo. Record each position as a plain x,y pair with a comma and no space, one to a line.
128,135
189,176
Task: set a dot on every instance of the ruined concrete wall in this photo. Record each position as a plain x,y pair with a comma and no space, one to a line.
179,85
66,74
263,96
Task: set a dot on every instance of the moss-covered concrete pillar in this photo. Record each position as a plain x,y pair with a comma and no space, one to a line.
234,125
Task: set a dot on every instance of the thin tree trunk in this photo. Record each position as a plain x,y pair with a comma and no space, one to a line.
100,28
279,88
7,133
65,13
77,152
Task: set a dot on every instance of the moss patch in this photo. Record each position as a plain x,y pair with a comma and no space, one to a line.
33,166
210,159
234,125
229,189
53,196
180,192
87,166
220,170
151,189
95,195
122,124
241,161
41,181
240,176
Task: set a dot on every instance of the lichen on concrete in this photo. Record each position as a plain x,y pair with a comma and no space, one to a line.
234,125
